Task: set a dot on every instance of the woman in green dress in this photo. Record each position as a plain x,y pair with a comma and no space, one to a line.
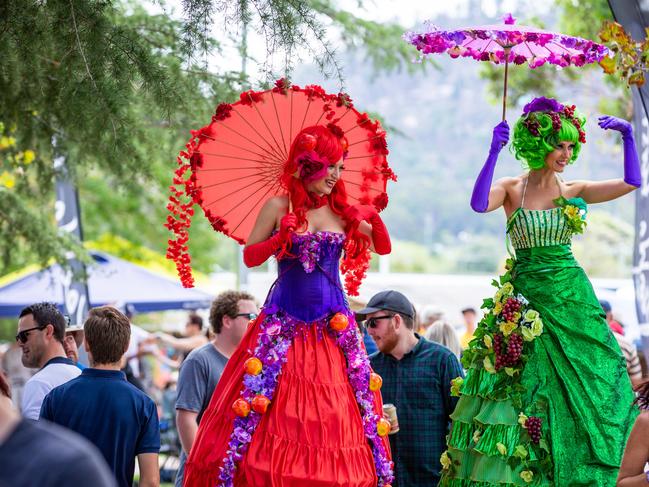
546,400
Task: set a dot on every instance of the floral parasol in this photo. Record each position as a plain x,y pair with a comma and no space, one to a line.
232,166
508,43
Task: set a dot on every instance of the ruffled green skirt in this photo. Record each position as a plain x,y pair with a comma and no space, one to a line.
573,378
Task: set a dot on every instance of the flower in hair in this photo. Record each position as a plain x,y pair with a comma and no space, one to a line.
543,104
311,166
532,125
556,111
336,130
307,142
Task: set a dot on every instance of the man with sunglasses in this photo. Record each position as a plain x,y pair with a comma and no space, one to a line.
417,378
200,372
41,331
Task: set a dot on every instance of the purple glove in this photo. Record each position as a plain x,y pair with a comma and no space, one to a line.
480,196
631,162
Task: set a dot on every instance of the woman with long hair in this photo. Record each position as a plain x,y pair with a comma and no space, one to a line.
297,403
442,332
546,400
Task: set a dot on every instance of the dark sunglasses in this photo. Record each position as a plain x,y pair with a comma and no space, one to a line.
23,336
250,316
371,322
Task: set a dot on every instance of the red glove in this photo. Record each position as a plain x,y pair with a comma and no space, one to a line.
287,225
257,254
380,235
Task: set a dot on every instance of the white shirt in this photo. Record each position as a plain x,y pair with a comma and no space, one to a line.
57,371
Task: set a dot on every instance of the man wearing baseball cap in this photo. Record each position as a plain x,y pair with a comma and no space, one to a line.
417,378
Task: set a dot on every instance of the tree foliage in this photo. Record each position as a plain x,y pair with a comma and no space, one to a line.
109,83
119,88
631,58
294,30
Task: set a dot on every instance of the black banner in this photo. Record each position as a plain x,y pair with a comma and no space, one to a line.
633,15
75,290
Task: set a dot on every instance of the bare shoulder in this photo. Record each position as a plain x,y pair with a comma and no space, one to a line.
573,188
279,202
273,209
277,205
513,185
511,182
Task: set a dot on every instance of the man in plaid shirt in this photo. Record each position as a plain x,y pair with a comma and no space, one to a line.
417,378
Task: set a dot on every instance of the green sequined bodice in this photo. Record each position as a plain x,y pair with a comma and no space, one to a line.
538,228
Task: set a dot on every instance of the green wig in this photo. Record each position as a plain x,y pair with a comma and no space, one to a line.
537,133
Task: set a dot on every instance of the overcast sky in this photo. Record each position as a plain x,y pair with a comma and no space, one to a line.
409,13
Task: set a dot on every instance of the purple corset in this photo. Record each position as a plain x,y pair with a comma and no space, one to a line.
308,284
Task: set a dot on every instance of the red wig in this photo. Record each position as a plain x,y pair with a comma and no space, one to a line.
329,144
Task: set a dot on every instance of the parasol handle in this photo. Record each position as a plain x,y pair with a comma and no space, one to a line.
290,203
507,50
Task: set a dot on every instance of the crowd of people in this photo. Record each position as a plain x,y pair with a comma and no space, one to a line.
106,424
536,390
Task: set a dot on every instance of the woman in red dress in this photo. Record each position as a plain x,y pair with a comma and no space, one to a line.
297,404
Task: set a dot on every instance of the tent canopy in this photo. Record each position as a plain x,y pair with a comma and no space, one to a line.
110,281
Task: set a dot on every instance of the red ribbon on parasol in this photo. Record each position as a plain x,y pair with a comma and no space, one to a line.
232,166
507,43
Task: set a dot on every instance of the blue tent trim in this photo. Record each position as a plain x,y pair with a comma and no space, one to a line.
111,281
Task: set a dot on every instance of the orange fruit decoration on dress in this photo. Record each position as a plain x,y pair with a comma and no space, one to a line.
339,322
376,381
383,427
253,366
260,404
241,407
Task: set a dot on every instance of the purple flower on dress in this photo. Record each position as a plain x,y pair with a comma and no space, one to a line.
543,104
242,435
274,329
312,246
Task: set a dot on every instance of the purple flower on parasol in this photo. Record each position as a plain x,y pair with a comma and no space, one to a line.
509,43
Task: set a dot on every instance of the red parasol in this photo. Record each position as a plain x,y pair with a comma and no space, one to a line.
232,166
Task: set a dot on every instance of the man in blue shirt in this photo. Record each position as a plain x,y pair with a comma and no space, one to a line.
417,378
101,405
44,454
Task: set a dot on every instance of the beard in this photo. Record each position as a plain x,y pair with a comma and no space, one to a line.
387,341
32,359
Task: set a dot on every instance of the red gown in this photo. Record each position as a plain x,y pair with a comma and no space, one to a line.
312,433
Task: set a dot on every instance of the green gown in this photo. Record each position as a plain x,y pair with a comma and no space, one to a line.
572,376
